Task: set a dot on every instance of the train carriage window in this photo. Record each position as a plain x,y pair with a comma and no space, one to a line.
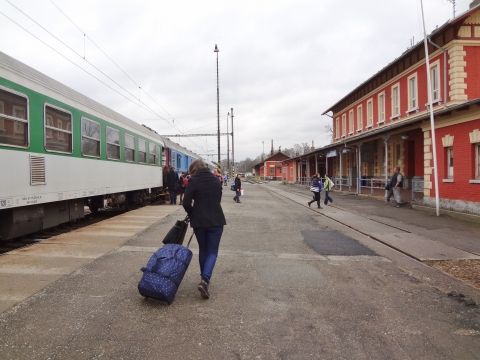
90,138
142,151
113,143
179,161
58,130
13,119
129,147
152,159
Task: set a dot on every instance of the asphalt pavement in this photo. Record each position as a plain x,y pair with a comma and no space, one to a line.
291,282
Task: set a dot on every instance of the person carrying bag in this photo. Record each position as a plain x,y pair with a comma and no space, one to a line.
202,202
316,188
176,234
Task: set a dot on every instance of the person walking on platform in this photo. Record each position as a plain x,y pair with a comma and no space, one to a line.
316,188
181,186
238,189
201,201
172,185
328,186
394,187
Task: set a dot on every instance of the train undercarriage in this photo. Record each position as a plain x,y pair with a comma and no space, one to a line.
21,221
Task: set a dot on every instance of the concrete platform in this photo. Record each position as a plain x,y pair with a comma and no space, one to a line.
26,271
391,233
273,297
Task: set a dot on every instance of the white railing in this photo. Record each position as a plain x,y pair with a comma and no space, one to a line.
372,184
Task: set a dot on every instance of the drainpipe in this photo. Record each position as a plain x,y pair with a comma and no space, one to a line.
444,69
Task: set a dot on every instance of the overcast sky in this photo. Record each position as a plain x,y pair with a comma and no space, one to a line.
281,63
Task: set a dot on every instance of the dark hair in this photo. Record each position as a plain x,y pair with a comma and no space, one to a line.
196,166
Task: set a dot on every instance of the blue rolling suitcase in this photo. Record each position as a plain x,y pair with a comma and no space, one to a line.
164,272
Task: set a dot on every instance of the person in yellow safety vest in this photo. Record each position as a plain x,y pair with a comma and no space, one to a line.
328,186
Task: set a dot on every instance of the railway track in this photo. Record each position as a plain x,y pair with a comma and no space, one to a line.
88,219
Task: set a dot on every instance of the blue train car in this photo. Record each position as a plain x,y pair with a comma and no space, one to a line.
177,156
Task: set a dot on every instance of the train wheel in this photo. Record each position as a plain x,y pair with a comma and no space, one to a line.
95,203
93,209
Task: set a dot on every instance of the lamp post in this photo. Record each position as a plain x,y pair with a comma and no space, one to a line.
218,109
228,147
233,141
432,120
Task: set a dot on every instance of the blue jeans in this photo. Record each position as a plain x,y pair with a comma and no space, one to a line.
208,241
327,197
238,193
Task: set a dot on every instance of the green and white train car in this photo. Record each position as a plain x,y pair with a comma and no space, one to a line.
60,150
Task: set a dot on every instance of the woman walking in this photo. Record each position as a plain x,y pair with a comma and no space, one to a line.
201,201
315,188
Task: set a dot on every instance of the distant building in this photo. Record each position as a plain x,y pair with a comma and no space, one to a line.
271,167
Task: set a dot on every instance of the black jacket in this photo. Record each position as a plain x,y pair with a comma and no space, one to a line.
202,200
172,180
238,184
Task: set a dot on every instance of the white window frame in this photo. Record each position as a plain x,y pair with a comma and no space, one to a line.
99,140
144,142
369,113
127,135
344,125
359,118
45,127
351,122
412,92
450,167
113,144
435,81
381,107
155,153
395,101
337,127
15,118
477,161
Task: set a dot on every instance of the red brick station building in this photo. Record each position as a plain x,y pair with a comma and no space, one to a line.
385,122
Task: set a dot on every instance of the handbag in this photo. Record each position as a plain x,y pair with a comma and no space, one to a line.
176,234
314,189
233,188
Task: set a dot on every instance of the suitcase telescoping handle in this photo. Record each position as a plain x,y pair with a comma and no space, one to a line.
187,220
189,240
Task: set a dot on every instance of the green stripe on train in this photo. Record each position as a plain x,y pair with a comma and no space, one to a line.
36,104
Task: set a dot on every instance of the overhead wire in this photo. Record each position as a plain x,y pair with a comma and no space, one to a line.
139,103
65,57
132,80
